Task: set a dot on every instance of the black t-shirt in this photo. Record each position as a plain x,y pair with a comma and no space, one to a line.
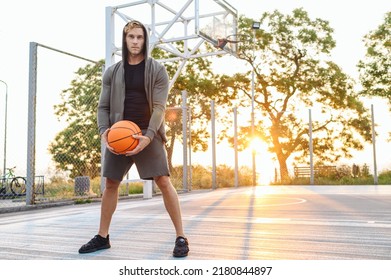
136,105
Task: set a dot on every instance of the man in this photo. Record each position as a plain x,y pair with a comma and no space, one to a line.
136,89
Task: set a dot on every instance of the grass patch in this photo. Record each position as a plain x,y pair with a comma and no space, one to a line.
83,201
384,178
202,177
65,189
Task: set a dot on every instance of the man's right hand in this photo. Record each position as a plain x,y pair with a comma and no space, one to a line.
106,142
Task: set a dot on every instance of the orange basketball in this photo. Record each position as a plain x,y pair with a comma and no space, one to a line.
120,136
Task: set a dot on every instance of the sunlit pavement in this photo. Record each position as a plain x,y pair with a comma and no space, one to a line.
265,222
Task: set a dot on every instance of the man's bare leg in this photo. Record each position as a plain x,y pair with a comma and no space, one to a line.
108,206
171,202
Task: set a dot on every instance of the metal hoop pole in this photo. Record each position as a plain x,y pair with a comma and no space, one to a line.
5,127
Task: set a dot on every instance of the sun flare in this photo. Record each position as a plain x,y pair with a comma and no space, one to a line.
264,160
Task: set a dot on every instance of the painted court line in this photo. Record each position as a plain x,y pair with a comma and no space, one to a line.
298,201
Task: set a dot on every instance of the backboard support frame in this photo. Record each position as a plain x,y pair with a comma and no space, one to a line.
188,17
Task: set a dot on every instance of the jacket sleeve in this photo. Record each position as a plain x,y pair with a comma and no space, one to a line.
104,103
159,100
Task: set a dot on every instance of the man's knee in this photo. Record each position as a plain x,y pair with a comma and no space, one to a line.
112,184
163,182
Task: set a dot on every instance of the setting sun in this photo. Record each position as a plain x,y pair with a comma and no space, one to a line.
258,145
265,164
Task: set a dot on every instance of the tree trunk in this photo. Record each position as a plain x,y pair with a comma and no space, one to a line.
281,157
283,170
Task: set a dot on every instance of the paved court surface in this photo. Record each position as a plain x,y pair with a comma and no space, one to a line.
265,222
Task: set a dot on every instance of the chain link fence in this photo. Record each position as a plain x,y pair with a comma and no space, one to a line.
63,146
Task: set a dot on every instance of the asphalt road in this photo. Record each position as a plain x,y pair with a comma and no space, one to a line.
261,223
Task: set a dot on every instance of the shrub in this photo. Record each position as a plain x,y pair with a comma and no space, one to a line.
384,177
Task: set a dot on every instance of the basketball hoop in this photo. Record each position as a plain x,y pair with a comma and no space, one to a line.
233,39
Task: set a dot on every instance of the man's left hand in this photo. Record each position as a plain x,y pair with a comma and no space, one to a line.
143,141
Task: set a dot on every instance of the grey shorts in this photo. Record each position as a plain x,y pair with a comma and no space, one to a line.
150,162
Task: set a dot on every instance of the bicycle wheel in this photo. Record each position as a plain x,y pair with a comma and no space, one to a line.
18,186
3,189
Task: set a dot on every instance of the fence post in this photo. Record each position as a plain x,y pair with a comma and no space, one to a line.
184,132
236,184
31,124
212,104
375,181
311,147
189,140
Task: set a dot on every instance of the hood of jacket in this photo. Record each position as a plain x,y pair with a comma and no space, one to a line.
146,42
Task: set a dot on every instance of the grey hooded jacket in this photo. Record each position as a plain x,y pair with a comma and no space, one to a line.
112,97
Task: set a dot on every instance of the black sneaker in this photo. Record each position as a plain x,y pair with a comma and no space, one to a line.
181,247
95,244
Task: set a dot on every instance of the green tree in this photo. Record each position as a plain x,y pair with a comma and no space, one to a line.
76,149
290,57
375,68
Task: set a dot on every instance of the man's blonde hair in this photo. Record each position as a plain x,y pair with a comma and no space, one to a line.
132,24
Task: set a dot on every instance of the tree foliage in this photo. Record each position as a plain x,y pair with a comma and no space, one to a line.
375,68
293,73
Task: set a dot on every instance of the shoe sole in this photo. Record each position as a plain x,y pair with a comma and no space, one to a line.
180,255
95,249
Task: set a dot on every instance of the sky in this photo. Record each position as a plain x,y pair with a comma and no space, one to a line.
78,27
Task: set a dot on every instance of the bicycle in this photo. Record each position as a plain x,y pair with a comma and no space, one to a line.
11,185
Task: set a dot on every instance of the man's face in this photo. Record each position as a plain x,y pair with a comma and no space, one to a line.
135,41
